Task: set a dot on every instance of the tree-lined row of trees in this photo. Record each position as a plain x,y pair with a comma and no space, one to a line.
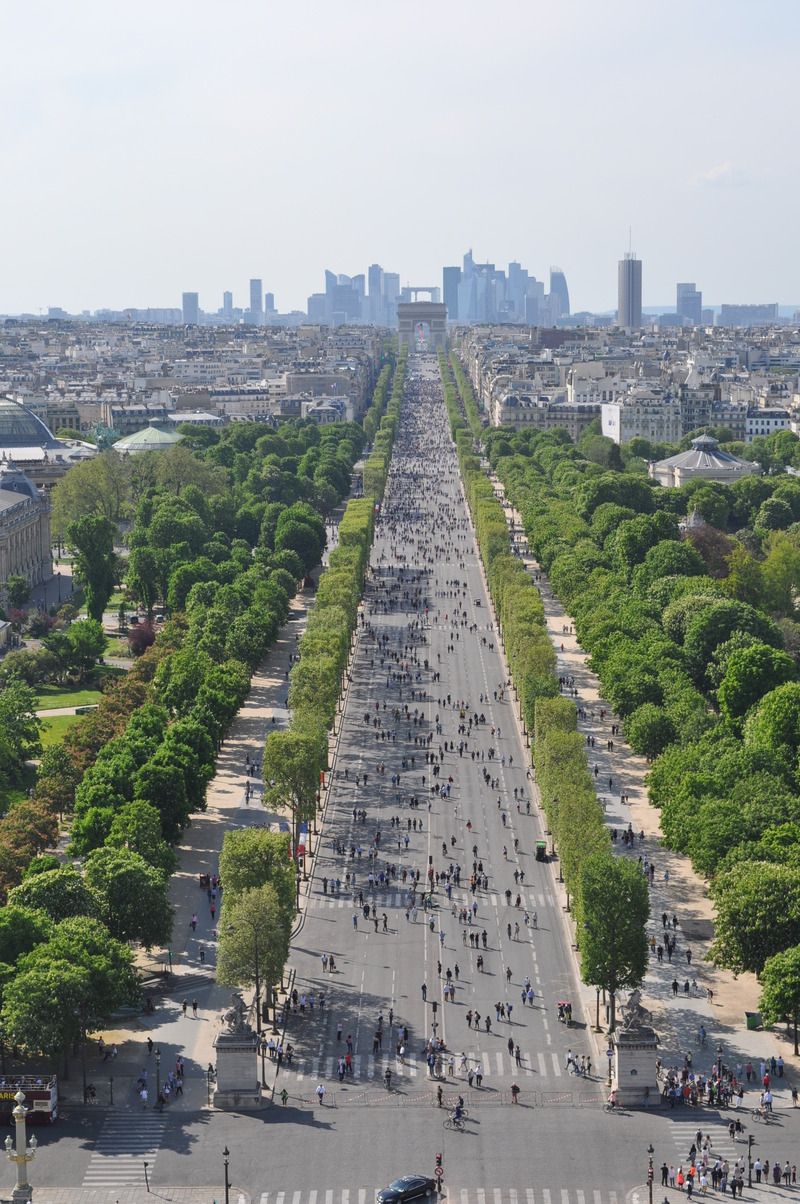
223,539
695,637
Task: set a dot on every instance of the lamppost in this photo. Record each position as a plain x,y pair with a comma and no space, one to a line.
225,1156
58,579
750,1141
20,1153
650,1172
158,1074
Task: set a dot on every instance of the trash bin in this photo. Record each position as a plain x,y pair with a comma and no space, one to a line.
753,1020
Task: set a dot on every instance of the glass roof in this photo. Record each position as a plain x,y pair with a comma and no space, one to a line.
19,427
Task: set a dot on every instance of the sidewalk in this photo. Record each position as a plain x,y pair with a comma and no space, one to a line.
675,1019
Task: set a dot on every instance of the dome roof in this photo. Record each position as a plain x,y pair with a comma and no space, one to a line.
14,481
19,427
154,437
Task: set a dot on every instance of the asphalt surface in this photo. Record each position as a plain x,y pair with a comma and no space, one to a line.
425,602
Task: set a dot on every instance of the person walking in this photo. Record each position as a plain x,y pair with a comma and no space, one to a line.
321,1093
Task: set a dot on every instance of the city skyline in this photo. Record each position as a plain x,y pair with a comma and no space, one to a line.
154,151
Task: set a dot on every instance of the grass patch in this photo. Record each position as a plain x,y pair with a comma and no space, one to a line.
49,697
54,730
117,646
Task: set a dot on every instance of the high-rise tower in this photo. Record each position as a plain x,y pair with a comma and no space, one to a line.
256,302
629,291
689,303
559,295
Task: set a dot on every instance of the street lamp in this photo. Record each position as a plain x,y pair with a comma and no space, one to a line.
750,1141
158,1074
225,1156
18,1152
650,1172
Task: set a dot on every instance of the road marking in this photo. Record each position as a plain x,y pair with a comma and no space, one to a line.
529,1195
545,1195
312,1197
464,1196
556,1065
499,1063
564,1196
329,1196
280,1197
481,1196
580,1195
498,1196
345,1196
296,1197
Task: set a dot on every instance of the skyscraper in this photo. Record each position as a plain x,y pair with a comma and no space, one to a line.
391,291
629,292
227,306
689,303
190,304
451,278
375,281
256,302
559,295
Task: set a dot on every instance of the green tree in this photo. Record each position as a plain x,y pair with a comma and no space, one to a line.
254,940
100,486
87,642
254,857
132,895
137,826
19,728
17,590
92,541
291,770
649,730
21,929
614,908
780,989
60,893
750,673
774,514
144,576
758,915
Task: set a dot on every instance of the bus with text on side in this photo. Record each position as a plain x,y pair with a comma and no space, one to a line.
41,1098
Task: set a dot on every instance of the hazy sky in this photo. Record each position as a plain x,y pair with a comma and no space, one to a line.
150,148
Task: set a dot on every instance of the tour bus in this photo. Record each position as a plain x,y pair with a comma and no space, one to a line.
41,1097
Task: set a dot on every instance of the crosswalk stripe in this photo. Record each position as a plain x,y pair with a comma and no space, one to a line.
296,1197
545,1195
264,1197
464,1196
556,1065
542,1067
312,1197
612,1197
498,1196
512,1196
528,1195
499,1063
329,1196
564,1196
345,1196
280,1197
481,1196
580,1196
362,1195
596,1197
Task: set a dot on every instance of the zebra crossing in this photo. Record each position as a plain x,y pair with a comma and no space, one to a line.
530,900
452,1195
123,1144
494,1064
684,1133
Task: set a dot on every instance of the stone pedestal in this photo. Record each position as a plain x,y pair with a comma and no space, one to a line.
237,1084
635,1054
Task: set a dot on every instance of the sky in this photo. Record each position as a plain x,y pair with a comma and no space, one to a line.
152,148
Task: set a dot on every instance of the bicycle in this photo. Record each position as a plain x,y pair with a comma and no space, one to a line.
452,1123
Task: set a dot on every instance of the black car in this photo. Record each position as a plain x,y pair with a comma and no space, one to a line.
410,1187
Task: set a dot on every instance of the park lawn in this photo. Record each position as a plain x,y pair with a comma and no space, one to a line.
50,697
117,646
54,730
